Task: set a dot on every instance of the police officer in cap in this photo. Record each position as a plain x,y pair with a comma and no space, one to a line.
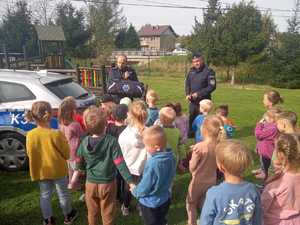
199,84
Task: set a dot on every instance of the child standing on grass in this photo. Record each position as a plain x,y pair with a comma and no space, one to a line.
72,131
48,152
234,201
205,106
167,117
151,99
281,196
222,111
132,146
181,122
153,191
286,124
101,156
203,166
119,114
265,133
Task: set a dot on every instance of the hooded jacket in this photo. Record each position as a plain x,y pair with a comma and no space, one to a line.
101,157
154,188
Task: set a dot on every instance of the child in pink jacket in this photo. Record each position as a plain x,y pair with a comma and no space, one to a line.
281,196
265,133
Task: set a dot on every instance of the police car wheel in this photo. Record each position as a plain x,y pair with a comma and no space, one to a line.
12,152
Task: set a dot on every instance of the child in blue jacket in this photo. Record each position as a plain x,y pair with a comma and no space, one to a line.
153,191
234,201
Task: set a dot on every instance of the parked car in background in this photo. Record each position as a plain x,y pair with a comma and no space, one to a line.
180,51
18,91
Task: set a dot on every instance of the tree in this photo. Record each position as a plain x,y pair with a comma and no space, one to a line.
286,61
105,22
73,24
120,39
17,30
43,11
132,40
286,55
240,35
294,21
204,35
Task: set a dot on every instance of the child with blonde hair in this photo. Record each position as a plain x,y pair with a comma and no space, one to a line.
72,131
265,133
167,117
281,196
286,124
132,146
203,166
153,111
101,157
234,201
153,191
48,152
205,106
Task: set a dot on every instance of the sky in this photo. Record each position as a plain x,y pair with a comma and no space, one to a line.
182,20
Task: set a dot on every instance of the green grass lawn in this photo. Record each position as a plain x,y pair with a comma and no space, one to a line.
19,198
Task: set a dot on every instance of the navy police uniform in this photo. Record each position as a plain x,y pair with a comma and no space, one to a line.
203,82
117,74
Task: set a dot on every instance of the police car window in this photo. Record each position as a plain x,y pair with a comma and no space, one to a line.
12,92
65,88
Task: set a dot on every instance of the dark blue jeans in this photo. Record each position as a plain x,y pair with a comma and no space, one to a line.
155,216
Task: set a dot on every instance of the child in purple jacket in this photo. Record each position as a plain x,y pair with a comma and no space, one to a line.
265,133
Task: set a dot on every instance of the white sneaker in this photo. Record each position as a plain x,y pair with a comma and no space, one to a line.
124,210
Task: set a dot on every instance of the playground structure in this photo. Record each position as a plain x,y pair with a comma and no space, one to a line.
50,41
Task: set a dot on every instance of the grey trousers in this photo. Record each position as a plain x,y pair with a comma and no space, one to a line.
47,188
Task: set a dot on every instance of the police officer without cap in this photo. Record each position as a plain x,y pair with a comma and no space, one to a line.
122,71
199,84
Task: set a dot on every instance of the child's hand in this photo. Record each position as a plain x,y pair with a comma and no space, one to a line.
132,186
196,148
188,97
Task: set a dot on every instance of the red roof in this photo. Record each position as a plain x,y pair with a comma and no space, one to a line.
149,30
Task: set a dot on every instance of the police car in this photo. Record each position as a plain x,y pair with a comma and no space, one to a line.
18,91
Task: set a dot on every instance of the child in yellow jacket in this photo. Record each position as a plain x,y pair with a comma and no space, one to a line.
48,152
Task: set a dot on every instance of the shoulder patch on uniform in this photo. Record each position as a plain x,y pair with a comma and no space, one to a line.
212,82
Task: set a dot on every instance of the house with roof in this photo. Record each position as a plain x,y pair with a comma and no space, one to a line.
157,38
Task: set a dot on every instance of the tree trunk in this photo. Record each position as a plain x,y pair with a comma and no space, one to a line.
228,73
233,76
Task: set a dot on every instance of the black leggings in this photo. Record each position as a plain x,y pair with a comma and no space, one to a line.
265,165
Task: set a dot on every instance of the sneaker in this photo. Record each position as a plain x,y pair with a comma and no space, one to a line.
124,210
71,217
49,221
